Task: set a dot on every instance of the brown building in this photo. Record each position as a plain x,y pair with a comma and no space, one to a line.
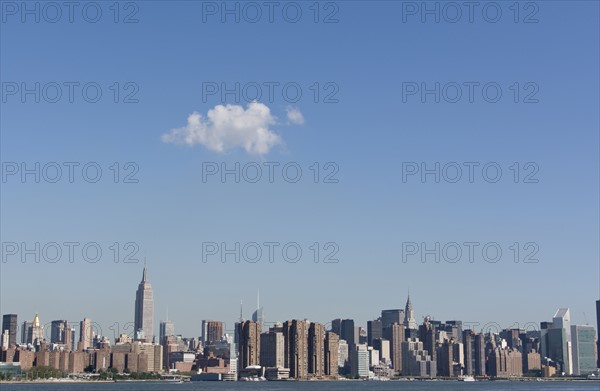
152,360
213,330
316,350
118,361
68,337
86,334
26,358
295,334
272,349
54,359
212,365
505,363
142,362
395,333
77,362
331,360
532,361
132,362
249,343
101,359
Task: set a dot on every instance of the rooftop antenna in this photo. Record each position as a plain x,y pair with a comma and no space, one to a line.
241,311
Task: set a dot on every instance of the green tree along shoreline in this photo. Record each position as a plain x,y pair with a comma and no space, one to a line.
38,373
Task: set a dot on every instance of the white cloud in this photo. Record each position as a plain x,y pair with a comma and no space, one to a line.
229,127
295,116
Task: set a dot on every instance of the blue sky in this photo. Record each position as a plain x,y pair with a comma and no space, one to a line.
368,134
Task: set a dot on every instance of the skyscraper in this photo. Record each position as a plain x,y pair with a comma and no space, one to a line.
479,350
144,308
409,316
331,361
86,334
389,317
258,315
249,343
166,329
295,334
9,322
360,361
374,331
272,349
584,362
316,349
395,334
349,333
58,330
212,331
556,339
27,332
37,331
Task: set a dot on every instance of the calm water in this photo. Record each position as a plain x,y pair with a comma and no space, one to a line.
314,386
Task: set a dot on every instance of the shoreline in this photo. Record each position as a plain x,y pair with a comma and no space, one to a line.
67,381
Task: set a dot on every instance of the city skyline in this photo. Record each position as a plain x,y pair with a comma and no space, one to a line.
391,345
144,302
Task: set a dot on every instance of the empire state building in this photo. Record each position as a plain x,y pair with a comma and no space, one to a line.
144,309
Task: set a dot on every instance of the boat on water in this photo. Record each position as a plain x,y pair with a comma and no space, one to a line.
466,378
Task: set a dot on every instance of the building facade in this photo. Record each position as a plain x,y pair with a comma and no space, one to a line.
144,309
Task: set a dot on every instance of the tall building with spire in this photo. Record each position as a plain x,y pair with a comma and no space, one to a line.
409,316
258,315
144,308
37,330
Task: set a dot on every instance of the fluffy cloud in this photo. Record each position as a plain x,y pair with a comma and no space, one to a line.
229,127
295,116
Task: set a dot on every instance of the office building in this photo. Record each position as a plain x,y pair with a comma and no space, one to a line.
295,334
86,334
212,331
316,349
331,360
360,362
374,330
409,316
584,358
249,343
389,317
9,322
144,309
272,349
166,329
416,361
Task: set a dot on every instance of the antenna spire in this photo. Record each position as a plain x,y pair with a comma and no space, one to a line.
144,275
